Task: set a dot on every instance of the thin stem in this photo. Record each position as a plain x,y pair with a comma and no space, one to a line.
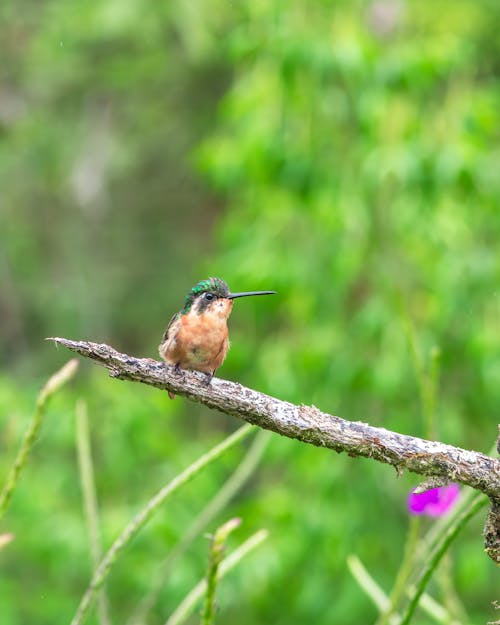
217,548
52,386
404,573
440,548
434,609
147,512
427,378
431,392
367,583
234,483
434,534
429,605
186,607
450,597
90,499
427,383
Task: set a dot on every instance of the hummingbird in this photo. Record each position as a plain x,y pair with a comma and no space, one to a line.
197,336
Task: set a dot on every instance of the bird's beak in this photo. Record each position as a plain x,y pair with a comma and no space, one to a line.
248,293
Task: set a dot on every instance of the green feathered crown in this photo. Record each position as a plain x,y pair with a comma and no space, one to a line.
211,285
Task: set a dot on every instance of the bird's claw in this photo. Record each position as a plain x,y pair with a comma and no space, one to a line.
177,369
208,378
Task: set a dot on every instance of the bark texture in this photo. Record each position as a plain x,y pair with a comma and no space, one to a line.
432,459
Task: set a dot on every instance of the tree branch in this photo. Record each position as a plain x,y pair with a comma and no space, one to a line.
307,423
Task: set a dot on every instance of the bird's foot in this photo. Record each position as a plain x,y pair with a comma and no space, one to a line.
178,372
177,369
208,377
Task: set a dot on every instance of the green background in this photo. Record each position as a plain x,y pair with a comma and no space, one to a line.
346,154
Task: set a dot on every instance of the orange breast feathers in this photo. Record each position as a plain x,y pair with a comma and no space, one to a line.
199,342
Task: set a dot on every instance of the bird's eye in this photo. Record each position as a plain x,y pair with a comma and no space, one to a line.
209,296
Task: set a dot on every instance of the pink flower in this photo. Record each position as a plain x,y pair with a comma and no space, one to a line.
434,502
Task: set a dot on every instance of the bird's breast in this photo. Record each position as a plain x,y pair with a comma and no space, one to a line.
207,330
201,342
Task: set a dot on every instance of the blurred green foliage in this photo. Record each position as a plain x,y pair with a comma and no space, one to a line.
353,166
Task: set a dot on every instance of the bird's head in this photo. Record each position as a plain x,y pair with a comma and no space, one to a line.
213,295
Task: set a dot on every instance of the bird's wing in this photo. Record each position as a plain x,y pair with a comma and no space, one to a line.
174,318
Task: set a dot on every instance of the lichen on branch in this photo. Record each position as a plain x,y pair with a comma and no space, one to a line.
308,424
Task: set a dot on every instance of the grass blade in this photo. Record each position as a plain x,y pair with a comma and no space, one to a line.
439,549
90,499
217,548
188,604
52,386
147,512
232,485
